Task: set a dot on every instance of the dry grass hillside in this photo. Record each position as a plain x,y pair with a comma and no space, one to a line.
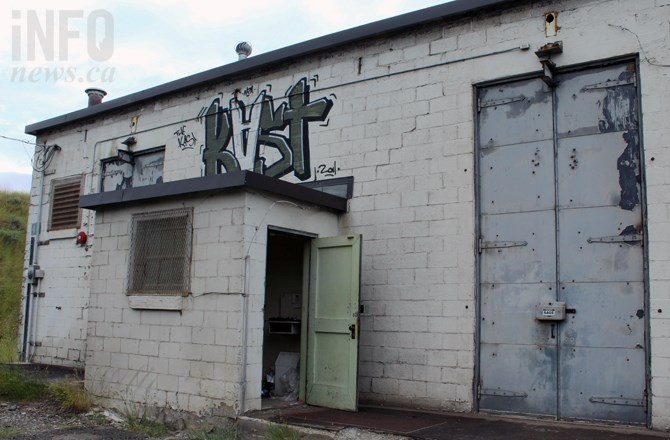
13,219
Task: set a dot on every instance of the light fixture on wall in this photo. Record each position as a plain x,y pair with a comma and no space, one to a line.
130,141
544,53
81,238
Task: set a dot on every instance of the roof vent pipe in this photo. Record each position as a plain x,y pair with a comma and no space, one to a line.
95,96
243,50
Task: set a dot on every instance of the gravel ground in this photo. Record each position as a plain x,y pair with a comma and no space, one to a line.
43,420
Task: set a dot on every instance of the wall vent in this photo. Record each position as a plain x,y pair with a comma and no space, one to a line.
65,212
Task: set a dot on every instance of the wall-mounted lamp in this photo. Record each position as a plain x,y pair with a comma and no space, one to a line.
549,67
81,238
129,142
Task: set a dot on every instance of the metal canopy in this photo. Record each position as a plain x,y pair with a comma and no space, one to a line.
209,184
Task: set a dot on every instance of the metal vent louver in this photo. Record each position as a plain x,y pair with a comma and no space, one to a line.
65,212
160,254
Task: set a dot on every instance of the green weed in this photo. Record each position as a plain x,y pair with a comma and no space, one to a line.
14,385
227,433
72,396
98,418
9,432
281,432
144,426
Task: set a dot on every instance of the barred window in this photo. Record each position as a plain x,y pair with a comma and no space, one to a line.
160,253
65,212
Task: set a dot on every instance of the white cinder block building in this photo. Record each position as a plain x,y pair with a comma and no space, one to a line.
463,208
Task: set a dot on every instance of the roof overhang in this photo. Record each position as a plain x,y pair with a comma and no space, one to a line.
218,183
390,25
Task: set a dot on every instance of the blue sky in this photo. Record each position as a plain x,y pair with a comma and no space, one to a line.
147,43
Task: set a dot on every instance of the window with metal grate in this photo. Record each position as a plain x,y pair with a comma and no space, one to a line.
65,212
160,253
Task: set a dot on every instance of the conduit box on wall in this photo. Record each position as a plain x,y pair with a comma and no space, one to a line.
551,311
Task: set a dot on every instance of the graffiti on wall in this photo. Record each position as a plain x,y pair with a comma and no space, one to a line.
185,140
234,135
326,170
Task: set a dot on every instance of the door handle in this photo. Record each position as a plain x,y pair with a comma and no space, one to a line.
352,330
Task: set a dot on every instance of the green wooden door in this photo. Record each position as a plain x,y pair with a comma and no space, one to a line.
332,333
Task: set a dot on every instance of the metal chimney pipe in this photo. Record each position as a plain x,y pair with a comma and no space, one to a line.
95,96
243,50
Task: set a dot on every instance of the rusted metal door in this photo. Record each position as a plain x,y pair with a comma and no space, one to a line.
562,296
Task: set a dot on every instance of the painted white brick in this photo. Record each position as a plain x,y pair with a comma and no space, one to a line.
443,45
408,140
180,334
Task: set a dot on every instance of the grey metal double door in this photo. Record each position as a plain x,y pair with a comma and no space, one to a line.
561,261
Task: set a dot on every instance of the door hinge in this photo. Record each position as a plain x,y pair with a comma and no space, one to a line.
479,389
645,400
496,102
498,244
503,393
632,238
624,401
609,84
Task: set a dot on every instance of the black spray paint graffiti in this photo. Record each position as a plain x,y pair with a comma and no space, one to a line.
234,134
325,170
185,140
620,114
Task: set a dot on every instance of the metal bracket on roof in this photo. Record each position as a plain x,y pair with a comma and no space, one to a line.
544,53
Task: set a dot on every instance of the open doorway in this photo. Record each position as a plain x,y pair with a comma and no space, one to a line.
311,331
282,313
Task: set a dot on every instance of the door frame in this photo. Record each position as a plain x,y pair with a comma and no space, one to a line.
643,202
308,237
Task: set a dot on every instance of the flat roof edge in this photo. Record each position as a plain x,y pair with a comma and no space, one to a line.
209,184
340,38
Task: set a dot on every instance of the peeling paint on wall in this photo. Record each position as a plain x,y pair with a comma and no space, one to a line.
136,170
628,165
618,106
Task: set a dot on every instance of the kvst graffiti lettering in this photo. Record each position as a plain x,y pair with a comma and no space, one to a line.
234,134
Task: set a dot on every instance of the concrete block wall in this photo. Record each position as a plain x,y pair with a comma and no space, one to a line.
402,126
58,315
263,211
187,359
190,359
655,97
414,198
